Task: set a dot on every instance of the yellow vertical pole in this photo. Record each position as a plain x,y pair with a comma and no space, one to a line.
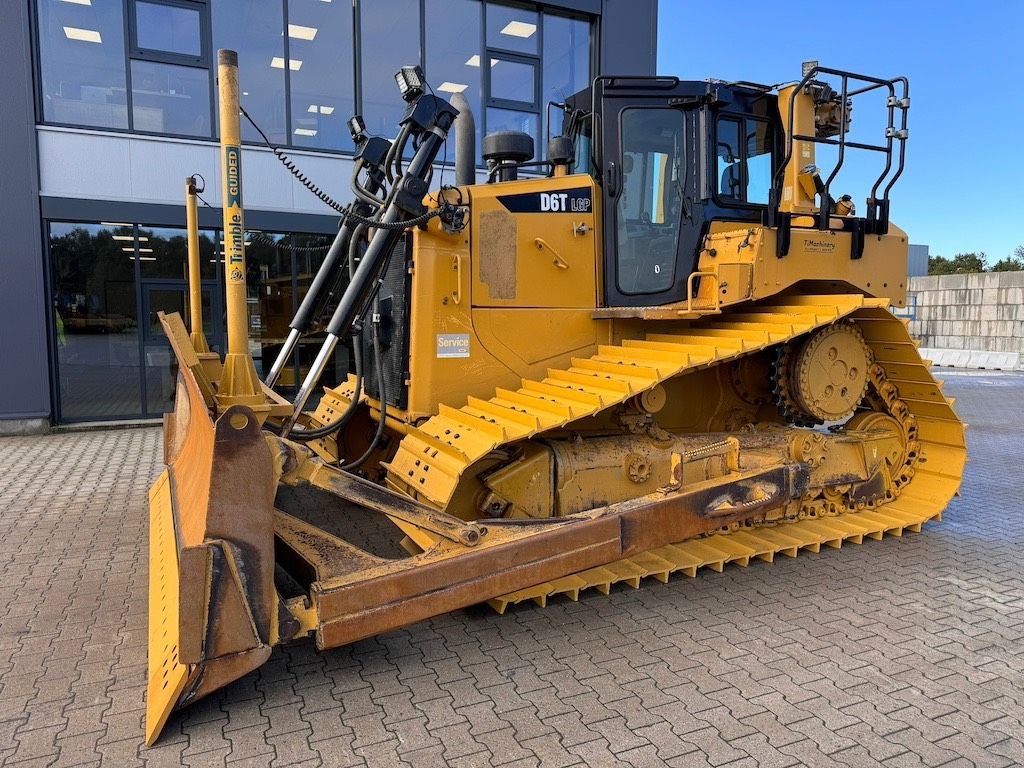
195,293
239,383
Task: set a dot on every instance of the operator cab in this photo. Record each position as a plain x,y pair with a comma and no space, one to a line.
671,157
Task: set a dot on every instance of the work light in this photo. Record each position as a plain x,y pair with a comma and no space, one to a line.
410,82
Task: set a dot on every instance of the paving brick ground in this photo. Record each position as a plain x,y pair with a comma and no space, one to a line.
901,653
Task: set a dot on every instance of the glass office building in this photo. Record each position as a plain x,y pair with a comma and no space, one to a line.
121,106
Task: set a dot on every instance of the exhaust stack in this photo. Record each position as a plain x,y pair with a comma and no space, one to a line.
465,142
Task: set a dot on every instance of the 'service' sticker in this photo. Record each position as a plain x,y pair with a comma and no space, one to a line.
453,345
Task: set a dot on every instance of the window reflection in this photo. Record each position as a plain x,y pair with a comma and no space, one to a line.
168,98
95,321
167,252
759,161
390,40
513,81
310,251
453,51
511,120
730,175
82,58
170,28
320,36
255,28
512,29
268,278
566,62
163,260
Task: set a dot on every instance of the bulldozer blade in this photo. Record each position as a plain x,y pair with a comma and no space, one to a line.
213,609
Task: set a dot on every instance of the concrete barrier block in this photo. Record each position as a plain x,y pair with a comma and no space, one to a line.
1002,328
1011,279
948,357
952,281
1011,296
1004,361
959,358
1009,312
923,283
983,280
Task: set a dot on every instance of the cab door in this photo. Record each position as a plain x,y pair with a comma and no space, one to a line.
652,204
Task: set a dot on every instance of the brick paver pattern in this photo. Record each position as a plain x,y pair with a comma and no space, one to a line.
899,653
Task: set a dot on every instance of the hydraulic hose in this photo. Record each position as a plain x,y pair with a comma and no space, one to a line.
381,389
304,435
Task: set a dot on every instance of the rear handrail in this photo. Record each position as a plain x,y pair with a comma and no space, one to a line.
877,210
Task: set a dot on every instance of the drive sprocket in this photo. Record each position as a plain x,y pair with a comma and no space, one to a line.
825,377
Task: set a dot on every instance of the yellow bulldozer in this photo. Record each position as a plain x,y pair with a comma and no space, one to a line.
665,347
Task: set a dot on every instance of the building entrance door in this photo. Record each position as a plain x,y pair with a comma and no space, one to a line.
161,369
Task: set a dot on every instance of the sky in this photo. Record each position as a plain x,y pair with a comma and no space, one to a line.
963,187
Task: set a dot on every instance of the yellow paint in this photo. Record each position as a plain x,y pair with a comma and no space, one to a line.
166,675
239,383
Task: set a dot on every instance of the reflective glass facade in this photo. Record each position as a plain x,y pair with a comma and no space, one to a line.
305,66
110,281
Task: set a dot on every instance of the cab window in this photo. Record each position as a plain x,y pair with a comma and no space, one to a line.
648,208
745,166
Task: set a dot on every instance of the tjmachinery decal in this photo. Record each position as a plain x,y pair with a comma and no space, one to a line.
563,201
819,246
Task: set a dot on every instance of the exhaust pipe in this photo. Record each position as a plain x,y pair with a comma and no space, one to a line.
465,142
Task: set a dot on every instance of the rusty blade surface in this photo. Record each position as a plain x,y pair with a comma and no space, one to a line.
215,558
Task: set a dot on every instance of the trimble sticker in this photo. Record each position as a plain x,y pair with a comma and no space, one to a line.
819,246
453,345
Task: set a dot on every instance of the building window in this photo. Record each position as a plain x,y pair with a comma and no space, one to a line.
167,98
513,29
168,28
112,279
82,58
96,321
511,80
389,40
255,28
147,65
163,287
566,64
453,62
170,75
322,89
